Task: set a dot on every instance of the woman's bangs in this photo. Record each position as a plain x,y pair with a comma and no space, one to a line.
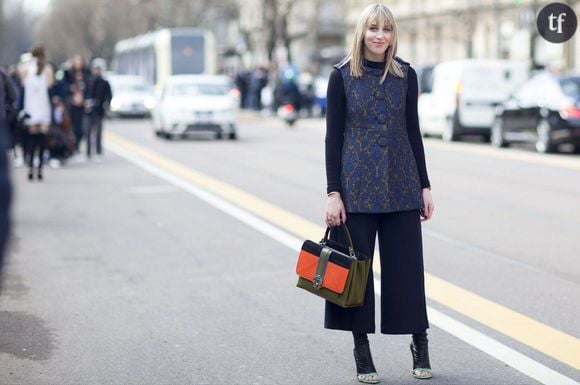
377,17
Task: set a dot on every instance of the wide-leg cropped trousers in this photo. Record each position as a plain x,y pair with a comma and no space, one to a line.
403,308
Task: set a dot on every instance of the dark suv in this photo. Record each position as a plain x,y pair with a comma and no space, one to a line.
544,111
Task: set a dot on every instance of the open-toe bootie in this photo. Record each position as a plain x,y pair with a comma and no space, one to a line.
420,353
365,369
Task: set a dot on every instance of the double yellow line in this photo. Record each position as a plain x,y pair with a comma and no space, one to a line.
552,342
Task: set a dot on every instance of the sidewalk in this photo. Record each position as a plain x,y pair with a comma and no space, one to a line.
118,277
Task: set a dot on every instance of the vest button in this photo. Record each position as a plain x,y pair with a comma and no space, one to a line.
378,95
383,141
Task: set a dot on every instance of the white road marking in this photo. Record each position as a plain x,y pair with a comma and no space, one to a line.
499,351
496,349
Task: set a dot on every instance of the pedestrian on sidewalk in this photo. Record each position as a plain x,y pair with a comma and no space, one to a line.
16,121
5,188
61,139
377,183
77,81
37,77
98,99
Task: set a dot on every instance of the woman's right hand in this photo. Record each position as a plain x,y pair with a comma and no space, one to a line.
335,212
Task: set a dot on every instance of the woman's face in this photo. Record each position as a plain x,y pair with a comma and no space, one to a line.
378,37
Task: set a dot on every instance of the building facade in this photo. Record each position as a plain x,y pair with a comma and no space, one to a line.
431,31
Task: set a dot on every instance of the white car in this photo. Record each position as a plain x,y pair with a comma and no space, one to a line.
132,96
189,104
465,94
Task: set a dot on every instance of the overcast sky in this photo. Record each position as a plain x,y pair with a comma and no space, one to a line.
33,6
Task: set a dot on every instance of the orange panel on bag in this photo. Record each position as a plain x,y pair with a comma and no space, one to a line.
334,279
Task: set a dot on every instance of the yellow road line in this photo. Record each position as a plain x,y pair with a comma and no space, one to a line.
554,160
550,341
544,338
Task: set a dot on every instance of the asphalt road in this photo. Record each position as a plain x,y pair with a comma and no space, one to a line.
121,274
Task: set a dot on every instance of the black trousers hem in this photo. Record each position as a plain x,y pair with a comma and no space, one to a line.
387,332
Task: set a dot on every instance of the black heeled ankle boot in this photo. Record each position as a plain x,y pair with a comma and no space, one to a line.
365,368
420,353
30,174
39,174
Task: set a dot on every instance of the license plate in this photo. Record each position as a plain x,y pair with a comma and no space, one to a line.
203,115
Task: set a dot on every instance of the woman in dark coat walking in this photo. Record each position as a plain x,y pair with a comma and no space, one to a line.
377,183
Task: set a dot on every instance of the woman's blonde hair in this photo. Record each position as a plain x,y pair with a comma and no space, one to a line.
377,14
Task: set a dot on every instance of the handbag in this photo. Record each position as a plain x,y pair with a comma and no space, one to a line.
333,271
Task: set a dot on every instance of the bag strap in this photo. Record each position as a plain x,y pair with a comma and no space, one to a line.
349,239
321,267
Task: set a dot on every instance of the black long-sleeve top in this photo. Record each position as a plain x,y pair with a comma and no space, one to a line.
335,124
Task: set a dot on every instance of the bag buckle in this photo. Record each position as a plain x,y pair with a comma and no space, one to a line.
321,268
317,282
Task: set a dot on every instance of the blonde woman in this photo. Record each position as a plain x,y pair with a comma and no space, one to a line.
37,77
377,184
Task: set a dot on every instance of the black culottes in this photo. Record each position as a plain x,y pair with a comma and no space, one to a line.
403,308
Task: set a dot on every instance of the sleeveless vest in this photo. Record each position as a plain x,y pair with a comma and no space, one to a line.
378,171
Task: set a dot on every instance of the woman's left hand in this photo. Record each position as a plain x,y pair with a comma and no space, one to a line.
428,206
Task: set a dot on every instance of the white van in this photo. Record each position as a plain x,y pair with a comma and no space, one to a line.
464,95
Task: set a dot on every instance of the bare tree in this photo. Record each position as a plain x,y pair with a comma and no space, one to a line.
277,16
92,28
285,12
15,35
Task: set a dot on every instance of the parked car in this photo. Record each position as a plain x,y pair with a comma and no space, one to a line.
544,111
424,77
197,103
132,96
464,95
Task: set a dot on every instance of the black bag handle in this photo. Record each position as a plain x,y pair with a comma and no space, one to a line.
349,239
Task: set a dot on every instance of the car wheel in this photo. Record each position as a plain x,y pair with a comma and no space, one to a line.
497,135
451,129
544,143
233,136
219,135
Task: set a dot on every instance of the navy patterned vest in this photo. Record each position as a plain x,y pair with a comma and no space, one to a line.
378,172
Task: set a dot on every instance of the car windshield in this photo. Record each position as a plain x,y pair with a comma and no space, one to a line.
488,78
192,89
571,86
131,87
